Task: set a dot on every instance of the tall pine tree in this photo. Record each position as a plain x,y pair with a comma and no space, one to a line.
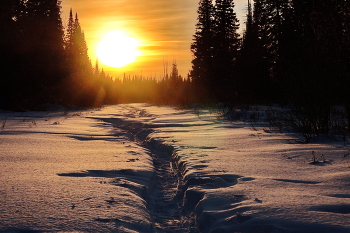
202,73
39,53
226,45
81,80
76,47
254,83
215,47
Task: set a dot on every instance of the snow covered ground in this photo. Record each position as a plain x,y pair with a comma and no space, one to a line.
143,168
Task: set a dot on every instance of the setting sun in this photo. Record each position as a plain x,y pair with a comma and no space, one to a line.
117,49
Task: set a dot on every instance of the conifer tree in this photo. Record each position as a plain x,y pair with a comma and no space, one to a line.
215,47
226,45
39,50
271,19
82,81
97,69
174,75
76,48
82,49
254,84
70,28
250,34
202,48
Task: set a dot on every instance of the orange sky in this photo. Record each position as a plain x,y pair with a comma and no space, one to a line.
164,28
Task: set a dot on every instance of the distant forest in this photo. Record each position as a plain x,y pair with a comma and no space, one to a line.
44,62
294,52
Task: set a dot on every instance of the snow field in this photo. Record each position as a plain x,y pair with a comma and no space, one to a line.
143,168
71,173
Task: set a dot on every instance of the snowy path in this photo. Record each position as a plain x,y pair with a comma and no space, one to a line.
142,168
163,202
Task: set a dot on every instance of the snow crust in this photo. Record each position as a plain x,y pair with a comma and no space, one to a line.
96,171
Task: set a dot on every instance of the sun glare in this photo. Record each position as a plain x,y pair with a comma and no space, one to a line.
117,49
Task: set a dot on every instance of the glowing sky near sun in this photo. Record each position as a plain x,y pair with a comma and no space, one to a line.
164,29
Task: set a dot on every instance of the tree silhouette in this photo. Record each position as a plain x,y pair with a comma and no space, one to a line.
7,55
76,48
70,28
81,84
174,75
37,46
226,45
215,46
307,57
202,72
254,83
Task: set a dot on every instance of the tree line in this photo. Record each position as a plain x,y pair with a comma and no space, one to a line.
43,61
294,52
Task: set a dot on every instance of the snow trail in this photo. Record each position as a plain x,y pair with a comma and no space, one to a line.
165,199
175,201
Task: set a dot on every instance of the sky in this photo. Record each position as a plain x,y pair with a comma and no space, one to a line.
164,29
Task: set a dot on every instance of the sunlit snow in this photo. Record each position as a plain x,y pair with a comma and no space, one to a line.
101,170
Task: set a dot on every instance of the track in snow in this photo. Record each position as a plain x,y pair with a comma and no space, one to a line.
165,197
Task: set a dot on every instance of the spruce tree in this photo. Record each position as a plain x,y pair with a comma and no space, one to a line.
39,50
225,52
174,75
81,48
254,83
69,31
202,48
81,82
271,19
76,47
